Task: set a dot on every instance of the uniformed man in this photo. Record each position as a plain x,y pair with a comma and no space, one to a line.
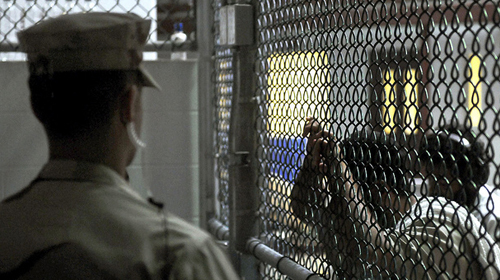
80,219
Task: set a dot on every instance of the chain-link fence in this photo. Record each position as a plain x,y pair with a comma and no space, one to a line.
223,83
376,131
168,18
395,174
224,80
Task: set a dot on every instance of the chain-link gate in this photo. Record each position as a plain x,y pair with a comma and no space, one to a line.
377,128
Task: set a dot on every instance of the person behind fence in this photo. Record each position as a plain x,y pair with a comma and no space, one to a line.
371,223
458,153
80,218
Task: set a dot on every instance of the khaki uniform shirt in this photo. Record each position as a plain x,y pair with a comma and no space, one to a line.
93,208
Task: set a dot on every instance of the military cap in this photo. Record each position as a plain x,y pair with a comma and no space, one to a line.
87,41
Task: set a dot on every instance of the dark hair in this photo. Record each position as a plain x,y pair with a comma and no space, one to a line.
462,154
373,156
70,104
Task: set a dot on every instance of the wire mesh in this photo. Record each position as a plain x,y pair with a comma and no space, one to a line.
166,15
402,181
223,93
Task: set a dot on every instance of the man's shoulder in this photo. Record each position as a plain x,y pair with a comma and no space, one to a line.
191,243
196,254
181,231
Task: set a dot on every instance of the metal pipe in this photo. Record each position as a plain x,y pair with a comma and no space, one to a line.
283,264
219,230
242,145
205,40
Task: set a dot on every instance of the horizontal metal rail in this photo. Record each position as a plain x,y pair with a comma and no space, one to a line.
218,229
262,252
283,264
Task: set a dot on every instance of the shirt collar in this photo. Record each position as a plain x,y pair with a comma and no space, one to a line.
85,172
81,171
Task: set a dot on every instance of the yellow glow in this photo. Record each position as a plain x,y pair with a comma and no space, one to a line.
411,102
474,93
298,82
298,86
389,108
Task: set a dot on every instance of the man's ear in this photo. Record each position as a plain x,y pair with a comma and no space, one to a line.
129,104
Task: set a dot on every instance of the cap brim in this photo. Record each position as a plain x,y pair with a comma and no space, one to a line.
147,79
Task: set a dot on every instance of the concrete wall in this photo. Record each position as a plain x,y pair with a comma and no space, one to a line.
169,165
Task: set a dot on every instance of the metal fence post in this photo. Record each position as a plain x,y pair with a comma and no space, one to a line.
206,48
242,176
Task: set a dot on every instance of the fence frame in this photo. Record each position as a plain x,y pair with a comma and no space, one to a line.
244,248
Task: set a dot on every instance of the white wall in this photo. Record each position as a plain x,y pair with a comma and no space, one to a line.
168,165
170,162
23,147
